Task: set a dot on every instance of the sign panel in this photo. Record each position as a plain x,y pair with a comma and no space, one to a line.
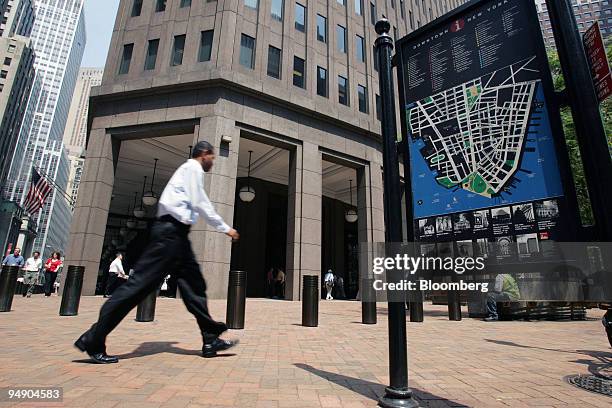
598,61
482,153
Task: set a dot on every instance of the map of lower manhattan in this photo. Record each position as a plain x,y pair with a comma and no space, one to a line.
474,133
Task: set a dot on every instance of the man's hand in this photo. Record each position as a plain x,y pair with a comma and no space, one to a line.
233,234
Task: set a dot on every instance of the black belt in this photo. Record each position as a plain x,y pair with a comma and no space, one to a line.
171,219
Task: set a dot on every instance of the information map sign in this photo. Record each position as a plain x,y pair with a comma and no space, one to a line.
482,148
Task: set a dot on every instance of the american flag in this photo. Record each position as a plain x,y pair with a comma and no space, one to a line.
38,193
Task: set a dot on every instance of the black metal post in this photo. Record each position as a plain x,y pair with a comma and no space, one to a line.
397,394
236,299
71,296
585,111
8,283
454,305
146,309
310,300
368,302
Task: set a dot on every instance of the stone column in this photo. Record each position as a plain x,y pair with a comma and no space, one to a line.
304,217
92,206
213,250
370,209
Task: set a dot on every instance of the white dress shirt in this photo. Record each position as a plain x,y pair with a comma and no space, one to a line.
33,265
116,267
185,200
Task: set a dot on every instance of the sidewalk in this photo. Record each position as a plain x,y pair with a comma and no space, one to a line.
279,363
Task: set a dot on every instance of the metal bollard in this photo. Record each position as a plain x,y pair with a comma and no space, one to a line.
8,283
146,308
310,300
454,305
368,302
71,296
416,306
236,299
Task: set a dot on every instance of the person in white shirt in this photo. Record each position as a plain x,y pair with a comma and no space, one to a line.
329,284
182,202
116,276
31,270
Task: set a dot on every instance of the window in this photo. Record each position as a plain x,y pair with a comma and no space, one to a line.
136,8
3,74
247,51
359,7
274,62
342,90
393,4
298,72
373,13
411,17
321,28
126,59
277,10
360,48
178,50
341,38
322,81
395,33
151,55
300,17
340,2
185,3
402,10
206,40
160,5
7,61
378,107
252,4
362,93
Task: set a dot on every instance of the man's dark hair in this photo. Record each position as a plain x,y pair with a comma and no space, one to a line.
200,148
36,252
117,254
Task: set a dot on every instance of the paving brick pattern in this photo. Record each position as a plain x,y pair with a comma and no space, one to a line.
279,363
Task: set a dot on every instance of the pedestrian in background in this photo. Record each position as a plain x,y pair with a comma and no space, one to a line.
280,284
14,259
117,275
329,284
52,265
31,272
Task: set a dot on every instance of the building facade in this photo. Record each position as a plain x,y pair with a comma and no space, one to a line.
586,12
298,77
16,80
58,38
76,126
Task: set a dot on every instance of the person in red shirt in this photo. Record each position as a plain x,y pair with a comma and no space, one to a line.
51,267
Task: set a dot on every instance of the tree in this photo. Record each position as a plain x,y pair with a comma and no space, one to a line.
569,130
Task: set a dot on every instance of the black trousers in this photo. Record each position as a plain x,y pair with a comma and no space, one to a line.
49,281
114,281
169,245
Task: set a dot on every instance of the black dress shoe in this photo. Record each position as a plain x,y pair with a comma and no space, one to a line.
211,349
98,357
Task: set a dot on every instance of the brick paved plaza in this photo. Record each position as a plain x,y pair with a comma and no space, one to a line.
279,363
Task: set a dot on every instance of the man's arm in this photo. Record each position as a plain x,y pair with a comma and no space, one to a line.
5,260
204,207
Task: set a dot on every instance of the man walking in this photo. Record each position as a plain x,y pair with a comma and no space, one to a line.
116,275
180,205
14,259
31,272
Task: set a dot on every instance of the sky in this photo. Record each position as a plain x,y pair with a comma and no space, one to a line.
99,22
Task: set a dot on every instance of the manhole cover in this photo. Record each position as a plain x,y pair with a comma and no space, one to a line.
592,383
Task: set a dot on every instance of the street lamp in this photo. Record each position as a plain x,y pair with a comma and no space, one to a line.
149,198
247,193
397,394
